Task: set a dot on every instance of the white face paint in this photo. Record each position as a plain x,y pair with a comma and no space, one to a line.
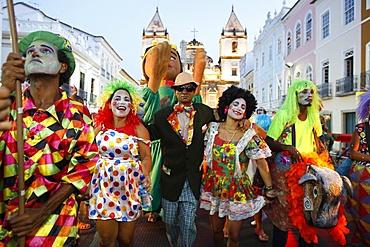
121,103
237,109
42,58
305,97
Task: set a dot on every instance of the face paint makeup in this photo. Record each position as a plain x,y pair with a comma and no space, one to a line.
237,109
305,97
121,103
42,58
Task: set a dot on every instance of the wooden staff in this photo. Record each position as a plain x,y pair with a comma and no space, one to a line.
18,99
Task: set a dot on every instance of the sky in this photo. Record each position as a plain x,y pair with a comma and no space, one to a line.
121,22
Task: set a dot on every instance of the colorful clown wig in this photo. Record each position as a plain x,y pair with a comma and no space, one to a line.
363,106
104,117
291,107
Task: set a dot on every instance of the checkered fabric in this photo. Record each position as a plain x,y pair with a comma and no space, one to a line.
59,148
179,217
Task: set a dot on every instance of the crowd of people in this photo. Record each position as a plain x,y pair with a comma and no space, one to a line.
186,154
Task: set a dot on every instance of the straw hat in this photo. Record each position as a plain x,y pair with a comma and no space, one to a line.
184,78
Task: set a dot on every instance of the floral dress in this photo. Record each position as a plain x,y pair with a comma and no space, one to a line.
114,185
227,188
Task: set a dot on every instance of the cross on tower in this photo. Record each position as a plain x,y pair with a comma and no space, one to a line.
194,31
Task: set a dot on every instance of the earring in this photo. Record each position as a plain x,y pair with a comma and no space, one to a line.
226,109
245,115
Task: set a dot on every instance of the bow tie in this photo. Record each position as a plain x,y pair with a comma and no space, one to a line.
181,108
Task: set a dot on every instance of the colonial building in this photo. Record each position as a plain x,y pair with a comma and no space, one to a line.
247,72
338,60
269,53
365,44
96,61
233,46
324,41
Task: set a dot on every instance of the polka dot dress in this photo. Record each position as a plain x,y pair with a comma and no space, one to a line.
114,184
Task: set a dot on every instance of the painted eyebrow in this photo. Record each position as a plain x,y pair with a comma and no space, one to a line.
124,97
47,47
32,46
174,53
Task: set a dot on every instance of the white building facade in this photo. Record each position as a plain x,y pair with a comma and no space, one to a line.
269,52
96,61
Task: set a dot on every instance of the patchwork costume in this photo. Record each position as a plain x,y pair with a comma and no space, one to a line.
59,148
359,205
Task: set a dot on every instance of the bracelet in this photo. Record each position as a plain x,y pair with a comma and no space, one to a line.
270,193
270,198
268,188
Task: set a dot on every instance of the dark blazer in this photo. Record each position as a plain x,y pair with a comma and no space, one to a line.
182,160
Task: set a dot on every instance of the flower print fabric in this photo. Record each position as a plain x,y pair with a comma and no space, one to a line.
222,191
114,185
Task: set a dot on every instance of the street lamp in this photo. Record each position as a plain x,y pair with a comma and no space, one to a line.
290,66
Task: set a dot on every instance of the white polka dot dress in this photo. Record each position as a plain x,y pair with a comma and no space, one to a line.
114,184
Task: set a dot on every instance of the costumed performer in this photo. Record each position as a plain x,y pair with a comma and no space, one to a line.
59,147
357,208
124,155
293,132
161,65
227,190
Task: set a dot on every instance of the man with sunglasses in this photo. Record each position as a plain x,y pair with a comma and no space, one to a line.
161,64
181,129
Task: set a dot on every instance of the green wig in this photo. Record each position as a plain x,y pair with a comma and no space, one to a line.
291,106
115,85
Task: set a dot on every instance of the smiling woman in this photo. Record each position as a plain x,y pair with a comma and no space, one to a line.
228,152
121,103
124,156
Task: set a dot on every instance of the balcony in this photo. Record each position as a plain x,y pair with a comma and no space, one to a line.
93,98
365,81
324,90
346,86
82,94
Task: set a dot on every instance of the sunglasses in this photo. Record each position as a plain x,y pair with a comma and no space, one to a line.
187,88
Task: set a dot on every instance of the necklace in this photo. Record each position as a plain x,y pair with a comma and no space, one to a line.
228,142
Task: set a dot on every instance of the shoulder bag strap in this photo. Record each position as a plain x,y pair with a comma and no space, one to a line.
293,135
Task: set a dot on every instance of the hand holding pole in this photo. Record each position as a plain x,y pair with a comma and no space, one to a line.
18,91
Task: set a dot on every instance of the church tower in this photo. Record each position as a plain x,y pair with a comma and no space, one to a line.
191,49
233,46
154,32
